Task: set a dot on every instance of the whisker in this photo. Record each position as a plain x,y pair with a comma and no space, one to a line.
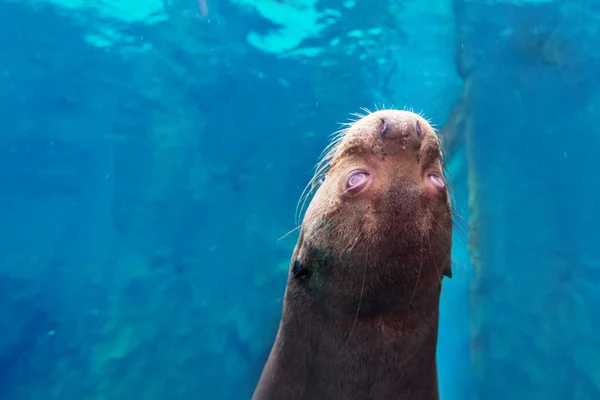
366,110
362,292
290,232
420,268
325,160
460,229
358,115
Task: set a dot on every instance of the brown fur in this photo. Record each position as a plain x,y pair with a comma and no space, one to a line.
360,315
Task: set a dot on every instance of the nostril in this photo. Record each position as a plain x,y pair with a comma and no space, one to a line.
382,128
418,129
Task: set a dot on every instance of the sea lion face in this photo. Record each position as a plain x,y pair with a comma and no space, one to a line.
379,227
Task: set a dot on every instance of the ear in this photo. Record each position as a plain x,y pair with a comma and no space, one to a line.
299,269
448,271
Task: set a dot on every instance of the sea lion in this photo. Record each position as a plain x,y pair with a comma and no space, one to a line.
361,306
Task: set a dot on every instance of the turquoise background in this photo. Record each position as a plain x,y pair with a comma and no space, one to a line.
152,154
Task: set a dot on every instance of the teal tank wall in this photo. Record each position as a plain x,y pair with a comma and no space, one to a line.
531,104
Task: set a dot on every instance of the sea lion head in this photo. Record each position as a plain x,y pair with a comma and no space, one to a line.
377,233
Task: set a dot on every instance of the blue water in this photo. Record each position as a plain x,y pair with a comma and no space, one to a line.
152,154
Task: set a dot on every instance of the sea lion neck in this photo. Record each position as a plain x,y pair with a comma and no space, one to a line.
340,288
382,357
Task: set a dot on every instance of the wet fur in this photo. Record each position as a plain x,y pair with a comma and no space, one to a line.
360,314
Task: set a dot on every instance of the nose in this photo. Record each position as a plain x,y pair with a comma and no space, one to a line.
405,127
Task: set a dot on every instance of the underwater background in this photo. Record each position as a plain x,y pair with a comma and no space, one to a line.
152,154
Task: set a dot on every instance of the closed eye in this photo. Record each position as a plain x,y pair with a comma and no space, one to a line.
356,181
437,180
